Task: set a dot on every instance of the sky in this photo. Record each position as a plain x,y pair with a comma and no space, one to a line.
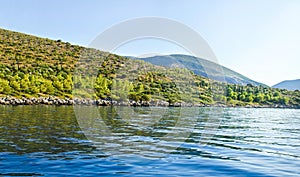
257,38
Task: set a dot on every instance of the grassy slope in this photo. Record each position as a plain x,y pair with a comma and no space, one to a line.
31,66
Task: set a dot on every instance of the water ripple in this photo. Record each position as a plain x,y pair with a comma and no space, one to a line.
47,141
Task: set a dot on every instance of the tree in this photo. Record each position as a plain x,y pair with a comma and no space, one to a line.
267,97
25,84
4,86
58,85
68,84
259,98
249,98
15,85
47,87
242,97
284,100
146,97
101,87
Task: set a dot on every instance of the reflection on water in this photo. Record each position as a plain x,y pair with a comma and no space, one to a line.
50,140
147,131
47,129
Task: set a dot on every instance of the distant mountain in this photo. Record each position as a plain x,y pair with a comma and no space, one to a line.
289,85
200,67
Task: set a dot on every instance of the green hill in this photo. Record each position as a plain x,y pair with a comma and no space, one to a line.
201,67
34,67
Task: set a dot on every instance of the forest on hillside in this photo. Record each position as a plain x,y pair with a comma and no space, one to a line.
38,67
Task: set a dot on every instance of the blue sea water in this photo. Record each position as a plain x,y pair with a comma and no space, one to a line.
123,141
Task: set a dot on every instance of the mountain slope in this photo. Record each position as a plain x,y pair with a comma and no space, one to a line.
34,67
288,84
201,67
31,66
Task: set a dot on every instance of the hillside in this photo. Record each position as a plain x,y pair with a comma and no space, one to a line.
33,67
200,67
289,85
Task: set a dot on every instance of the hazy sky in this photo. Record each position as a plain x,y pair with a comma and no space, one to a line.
257,38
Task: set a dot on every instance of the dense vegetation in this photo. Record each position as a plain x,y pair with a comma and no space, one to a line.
39,67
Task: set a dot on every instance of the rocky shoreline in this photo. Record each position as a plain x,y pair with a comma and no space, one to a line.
8,100
77,101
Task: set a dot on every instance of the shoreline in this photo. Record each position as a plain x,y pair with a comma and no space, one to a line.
55,101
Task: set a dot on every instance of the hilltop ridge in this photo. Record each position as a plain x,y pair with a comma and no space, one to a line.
200,66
